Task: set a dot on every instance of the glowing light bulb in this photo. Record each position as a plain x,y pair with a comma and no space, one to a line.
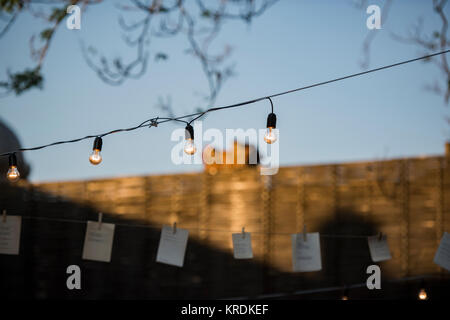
95,158
189,145
345,294
13,174
270,136
422,294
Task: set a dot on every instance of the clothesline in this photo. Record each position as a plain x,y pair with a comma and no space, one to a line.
195,228
336,288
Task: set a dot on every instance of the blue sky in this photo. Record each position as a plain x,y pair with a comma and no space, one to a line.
295,43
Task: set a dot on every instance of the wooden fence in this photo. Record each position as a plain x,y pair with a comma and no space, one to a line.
406,199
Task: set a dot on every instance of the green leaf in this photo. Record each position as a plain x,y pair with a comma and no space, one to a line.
46,34
206,14
57,14
21,82
10,6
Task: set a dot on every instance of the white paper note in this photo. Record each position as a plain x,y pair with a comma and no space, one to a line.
379,248
10,234
442,257
306,254
98,241
242,245
172,246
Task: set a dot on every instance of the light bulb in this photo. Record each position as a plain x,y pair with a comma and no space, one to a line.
95,158
270,136
13,174
345,294
422,294
189,145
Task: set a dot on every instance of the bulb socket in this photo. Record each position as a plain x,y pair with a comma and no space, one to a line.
272,120
189,133
12,160
98,143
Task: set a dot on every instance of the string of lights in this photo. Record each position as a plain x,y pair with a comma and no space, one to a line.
189,148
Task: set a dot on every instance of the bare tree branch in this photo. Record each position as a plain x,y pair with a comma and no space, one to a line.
200,21
365,62
115,72
437,40
169,20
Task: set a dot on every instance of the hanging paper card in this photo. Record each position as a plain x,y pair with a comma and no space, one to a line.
306,252
379,248
172,246
10,234
242,245
442,257
98,241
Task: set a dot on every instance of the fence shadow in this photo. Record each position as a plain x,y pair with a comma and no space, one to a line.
49,247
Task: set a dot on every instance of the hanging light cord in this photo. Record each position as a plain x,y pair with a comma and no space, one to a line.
271,103
154,122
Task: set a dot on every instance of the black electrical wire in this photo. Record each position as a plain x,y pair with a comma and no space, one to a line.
271,103
153,122
173,119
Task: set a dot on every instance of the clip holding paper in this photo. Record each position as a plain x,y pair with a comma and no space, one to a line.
243,232
100,218
304,233
380,236
4,216
174,227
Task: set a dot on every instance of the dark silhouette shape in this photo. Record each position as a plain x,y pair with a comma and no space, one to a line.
49,247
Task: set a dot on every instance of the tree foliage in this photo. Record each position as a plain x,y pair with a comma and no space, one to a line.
198,21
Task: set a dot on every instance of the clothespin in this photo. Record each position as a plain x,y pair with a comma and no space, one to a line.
380,236
100,218
243,232
4,216
304,233
174,227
